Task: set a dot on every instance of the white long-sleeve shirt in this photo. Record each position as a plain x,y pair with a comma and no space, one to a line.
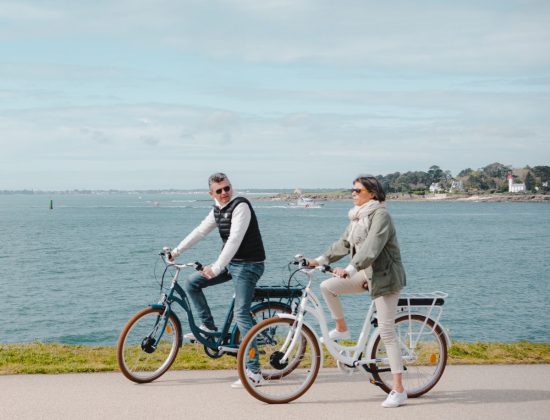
239,225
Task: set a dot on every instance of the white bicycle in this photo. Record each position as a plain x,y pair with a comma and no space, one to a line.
289,350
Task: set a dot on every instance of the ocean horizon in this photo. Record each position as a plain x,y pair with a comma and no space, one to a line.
75,274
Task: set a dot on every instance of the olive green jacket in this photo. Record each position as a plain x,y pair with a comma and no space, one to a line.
378,255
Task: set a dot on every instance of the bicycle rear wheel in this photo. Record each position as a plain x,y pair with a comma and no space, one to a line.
283,381
146,350
265,311
424,352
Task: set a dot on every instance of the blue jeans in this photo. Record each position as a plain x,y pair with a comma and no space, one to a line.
245,276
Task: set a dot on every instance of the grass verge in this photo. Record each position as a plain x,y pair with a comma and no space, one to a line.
51,358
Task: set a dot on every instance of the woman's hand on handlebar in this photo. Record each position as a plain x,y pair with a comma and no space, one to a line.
340,272
312,263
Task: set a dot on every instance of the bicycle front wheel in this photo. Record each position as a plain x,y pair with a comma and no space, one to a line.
423,351
147,347
283,380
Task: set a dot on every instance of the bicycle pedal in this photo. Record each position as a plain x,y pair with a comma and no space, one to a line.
377,383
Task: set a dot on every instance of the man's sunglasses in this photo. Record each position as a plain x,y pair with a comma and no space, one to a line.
225,189
357,190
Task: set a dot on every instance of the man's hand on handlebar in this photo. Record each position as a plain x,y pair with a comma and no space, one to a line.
208,273
167,253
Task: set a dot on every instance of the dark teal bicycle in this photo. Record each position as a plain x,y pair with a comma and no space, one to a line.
151,339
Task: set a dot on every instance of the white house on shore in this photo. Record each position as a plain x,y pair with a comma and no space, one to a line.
456,186
435,188
513,187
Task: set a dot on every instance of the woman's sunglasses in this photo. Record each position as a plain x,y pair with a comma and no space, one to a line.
357,190
225,189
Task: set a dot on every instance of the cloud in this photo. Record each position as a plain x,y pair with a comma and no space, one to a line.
406,132
303,91
457,37
27,11
96,136
150,140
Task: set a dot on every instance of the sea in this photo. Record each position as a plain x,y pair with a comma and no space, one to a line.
75,273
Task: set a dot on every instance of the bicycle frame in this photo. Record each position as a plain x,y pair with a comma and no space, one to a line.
150,340
349,355
223,340
176,294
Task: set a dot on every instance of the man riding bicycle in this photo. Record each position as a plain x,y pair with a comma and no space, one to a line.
241,259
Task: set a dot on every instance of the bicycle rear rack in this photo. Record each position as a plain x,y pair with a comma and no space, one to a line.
426,304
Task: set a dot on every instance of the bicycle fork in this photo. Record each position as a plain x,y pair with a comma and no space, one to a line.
150,341
291,338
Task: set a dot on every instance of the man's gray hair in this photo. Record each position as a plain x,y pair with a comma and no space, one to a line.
217,177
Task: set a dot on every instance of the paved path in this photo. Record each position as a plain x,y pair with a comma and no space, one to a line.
464,392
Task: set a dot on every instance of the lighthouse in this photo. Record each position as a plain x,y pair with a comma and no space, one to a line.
512,187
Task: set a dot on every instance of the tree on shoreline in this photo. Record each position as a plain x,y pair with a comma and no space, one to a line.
491,178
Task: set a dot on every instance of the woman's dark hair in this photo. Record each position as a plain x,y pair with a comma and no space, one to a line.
372,185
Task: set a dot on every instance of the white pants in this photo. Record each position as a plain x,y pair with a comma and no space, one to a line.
386,309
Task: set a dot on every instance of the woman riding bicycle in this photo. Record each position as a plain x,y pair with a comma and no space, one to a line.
370,239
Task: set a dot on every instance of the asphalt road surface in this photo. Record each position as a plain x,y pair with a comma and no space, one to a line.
464,393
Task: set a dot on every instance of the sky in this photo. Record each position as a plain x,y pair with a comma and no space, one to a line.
143,94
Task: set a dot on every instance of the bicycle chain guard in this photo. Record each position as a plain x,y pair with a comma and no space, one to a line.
346,369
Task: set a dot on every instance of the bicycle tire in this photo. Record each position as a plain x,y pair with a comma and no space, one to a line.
281,383
142,361
421,374
265,311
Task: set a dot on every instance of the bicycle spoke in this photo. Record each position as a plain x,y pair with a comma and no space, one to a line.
424,353
283,380
144,351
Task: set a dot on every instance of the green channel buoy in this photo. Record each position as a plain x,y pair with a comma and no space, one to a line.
51,204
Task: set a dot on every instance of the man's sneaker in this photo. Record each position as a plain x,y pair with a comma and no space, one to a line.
256,379
339,335
190,336
395,399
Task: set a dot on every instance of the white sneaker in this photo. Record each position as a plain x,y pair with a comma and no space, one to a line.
395,399
256,379
339,335
191,336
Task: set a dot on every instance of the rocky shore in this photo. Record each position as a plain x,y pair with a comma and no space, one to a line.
344,195
471,197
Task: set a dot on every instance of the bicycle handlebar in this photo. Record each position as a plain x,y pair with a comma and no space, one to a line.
304,264
165,253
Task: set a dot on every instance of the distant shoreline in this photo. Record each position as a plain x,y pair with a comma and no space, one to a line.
317,195
338,196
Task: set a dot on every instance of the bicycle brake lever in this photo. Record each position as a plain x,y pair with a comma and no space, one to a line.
324,268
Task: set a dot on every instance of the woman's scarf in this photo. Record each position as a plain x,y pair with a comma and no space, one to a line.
359,217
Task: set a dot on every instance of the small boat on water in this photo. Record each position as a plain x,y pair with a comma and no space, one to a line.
306,203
